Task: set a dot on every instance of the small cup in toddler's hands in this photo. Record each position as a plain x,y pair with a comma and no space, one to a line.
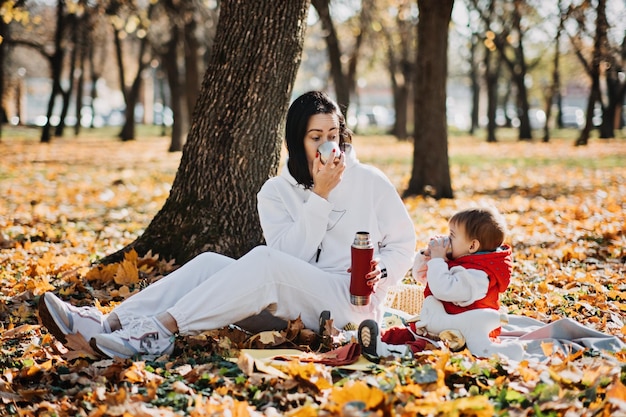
438,246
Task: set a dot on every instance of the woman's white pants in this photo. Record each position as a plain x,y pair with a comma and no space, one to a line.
212,291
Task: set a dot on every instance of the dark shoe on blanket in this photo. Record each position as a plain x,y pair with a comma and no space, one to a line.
368,337
326,340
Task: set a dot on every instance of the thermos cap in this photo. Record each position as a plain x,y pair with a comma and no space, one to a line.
362,239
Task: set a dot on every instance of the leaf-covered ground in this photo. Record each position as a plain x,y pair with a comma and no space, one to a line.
66,204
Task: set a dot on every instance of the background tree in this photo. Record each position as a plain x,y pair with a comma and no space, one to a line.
489,65
198,33
344,76
399,35
474,41
431,172
234,143
175,41
591,65
12,11
56,67
505,30
130,22
167,42
97,52
553,92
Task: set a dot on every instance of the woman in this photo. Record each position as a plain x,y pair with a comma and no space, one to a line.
309,215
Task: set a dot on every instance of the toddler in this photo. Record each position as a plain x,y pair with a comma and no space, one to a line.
464,274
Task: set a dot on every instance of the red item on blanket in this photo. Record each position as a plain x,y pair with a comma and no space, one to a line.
403,336
344,355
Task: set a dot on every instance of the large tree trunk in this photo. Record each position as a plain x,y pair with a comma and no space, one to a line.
431,172
234,142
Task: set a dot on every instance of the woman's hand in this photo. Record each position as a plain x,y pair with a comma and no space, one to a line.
327,177
374,276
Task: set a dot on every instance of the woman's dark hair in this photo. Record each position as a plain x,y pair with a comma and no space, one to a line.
300,111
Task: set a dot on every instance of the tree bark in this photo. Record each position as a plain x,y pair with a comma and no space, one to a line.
234,142
431,172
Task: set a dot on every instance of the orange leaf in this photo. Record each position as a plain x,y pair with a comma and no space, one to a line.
617,391
127,273
78,347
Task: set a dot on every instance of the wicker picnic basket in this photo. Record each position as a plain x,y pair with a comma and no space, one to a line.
407,297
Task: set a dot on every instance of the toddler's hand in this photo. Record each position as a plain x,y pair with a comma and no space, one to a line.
420,266
438,247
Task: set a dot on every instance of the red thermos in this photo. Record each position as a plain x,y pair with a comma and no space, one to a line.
362,254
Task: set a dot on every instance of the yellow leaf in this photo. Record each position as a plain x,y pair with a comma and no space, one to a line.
547,348
305,411
311,372
135,373
476,406
372,397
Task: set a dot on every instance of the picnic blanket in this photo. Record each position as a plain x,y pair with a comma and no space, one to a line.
521,338
565,334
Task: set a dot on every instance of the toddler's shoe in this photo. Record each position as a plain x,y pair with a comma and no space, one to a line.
453,338
144,336
61,318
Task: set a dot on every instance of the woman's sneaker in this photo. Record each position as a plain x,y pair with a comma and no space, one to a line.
61,318
144,337
368,338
